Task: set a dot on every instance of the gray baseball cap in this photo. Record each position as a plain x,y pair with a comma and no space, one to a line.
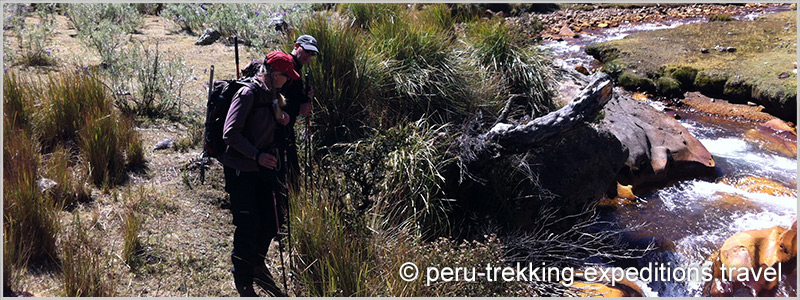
309,43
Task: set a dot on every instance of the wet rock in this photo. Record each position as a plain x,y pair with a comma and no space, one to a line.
208,37
566,32
164,144
582,69
774,135
783,75
659,148
621,288
752,251
752,184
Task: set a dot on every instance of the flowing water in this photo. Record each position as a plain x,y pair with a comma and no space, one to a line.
691,219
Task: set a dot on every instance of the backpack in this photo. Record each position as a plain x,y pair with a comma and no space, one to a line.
222,93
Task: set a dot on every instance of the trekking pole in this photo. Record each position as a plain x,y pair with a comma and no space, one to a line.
204,154
236,51
280,243
288,209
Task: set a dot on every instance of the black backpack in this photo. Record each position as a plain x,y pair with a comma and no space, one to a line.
222,93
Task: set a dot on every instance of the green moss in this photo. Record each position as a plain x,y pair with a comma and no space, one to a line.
720,17
603,52
738,90
685,75
670,87
711,83
631,81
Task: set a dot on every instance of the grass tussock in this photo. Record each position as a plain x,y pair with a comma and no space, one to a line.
84,264
30,220
71,185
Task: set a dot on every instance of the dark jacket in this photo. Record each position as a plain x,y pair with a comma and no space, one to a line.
249,128
295,94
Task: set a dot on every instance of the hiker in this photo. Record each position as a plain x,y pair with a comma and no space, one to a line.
250,171
298,101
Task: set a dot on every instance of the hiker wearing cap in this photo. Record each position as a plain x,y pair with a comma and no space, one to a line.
250,164
298,99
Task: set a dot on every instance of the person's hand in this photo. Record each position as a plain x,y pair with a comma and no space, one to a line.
311,93
267,160
305,109
285,120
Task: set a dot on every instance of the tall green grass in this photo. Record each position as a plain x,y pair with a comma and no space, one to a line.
502,50
66,100
30,220
364,14
346,77
71,185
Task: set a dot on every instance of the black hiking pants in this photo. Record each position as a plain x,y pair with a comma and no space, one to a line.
254,215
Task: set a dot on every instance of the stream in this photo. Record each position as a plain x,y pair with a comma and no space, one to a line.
691,219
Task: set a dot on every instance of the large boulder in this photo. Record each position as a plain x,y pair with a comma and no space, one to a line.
659,148
208,37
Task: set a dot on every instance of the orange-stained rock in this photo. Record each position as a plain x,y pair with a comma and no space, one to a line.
754,184
625,191
754,249
774,135
621,288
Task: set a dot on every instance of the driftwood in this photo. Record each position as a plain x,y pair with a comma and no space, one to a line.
519,138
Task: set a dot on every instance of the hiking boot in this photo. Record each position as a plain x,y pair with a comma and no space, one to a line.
264,280
245,290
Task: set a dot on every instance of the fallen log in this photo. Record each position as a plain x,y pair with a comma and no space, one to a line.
510,139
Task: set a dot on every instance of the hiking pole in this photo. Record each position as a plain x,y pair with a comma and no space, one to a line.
288,208
236,51
204,154
280,243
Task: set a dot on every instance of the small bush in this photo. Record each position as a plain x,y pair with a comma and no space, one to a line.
33,38
669,87
720,18
83,263
249,22
88,17
134,153
156,80
631,81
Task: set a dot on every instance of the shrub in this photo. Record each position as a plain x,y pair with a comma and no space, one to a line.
33,38
86,18
83,263
156,80
245,21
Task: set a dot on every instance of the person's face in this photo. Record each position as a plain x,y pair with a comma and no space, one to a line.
302,55
279,79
